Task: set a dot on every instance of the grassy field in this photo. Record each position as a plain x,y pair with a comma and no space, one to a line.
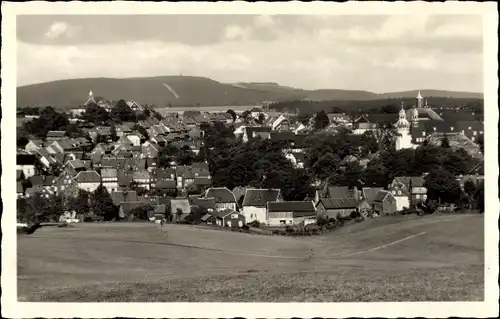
435,258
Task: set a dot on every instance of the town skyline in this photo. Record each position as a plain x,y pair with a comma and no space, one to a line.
376,53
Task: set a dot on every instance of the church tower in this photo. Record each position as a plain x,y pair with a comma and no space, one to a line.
403,139
420,100
414,117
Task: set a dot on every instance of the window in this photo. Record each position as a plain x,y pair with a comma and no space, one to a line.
62,187
283,222
399,192
393,192
417,196
474,133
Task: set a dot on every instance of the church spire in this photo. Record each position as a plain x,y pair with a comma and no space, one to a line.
419,100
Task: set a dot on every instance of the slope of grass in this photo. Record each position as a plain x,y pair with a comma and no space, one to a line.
136,262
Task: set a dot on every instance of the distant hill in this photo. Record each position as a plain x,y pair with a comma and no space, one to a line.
190,91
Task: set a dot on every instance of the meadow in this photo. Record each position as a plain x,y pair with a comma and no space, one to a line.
403,258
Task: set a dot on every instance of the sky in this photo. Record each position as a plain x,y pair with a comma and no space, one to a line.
378,53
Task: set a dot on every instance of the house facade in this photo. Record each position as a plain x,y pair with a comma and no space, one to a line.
255,203
336,207
224,198
110,179
385,203
289,213
88,180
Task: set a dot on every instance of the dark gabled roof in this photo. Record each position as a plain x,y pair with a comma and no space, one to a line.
207,203
370,193
36,180
166,184
339,192
202,181
260,197
221,195
293,206
88,177
339,203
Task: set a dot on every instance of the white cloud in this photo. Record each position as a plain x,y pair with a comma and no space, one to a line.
59,29
263,21
324,58
236,32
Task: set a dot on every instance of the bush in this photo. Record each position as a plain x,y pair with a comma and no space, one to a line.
255,224
245,227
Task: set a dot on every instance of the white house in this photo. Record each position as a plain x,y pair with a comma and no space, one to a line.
88,180
255,203
134,139
109,178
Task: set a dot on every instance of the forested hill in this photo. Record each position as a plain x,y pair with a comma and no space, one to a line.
192,91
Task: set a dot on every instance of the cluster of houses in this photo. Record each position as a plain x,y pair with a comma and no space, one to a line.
128,166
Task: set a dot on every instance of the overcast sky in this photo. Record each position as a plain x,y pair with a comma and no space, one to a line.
376,53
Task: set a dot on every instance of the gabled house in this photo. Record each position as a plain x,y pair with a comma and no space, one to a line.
337,192
142,178
136,107
339,207
150,150
67,186
402,187
370,193
255,203
281,124
135,138
109,178
385,203
229,218
289,213
167,186
88,180
33,146
362,125
224,198
46,158
26,163
74,167
124,128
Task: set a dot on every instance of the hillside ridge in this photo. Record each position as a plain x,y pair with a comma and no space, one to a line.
175,90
